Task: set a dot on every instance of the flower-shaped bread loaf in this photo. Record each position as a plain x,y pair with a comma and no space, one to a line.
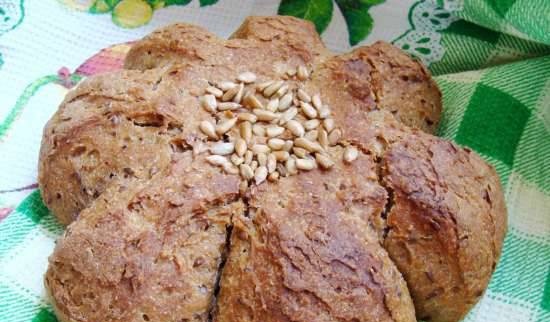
262,178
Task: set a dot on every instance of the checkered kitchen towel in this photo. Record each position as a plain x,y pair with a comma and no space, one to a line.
491,58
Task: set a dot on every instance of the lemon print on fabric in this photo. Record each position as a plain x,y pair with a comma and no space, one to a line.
128,13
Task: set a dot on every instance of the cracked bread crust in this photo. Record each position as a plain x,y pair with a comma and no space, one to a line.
309,251
150,252
446,224
156,107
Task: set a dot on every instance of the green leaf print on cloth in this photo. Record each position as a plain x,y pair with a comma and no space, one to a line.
129,13
356,13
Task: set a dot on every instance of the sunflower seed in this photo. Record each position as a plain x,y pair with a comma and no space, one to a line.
254,164
264,85
322,137
246,171
260,148
230,168
288,145
302,73
236,160
247,77
264,115
260,174
285,101
288,115
350,154
324,112
271,162
295,128
312,135
245,131
262,159
208,129
324,161
316,101
252,101
300,152
309,145
291,71
225,86
311,124
230,93
273,176
280,155
305,164
281,169
214,91
274,130
222,148
228,106
334,137
272,105
240,147
225,126
258,130
308,110
290,165
238,97
282,91
216,160
271,89
328,124
247,117
248,157
276,144
208,102
304,96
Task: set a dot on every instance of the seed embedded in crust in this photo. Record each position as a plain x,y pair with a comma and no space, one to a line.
216,160
264,115
272,105
214,91
324,161
311,135
273,176
230,168
254,165
245,130
246,171
305,164
225,126
243,186
260,87
258,130
260,148
280,155
240,147
328,124
247,117
222,148
252,101
229,94
208,102
276,144
295,128
350,154
303,96
248,157
334,137
302,73
225,86
274,130
285,101
291,71
282,91
236,160
316,101
322,137
290,165
260,174
208,129
238,97
309,145
288,115
271,89
308,110
324,112
228,106
262,159
288,145
300,152
311,124
271,162
281,169
247,77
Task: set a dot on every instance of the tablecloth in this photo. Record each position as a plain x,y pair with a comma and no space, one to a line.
491,59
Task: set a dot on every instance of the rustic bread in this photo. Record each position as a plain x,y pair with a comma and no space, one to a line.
124,159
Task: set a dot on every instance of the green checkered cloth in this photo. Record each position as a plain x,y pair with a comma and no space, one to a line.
491,59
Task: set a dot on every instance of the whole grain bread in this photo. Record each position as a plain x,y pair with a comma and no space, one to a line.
159,234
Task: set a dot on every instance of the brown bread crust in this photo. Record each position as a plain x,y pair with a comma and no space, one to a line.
128,135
